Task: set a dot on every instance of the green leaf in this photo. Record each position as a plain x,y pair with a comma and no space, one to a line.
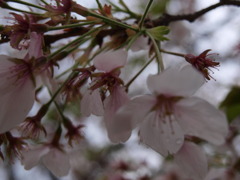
232,98
159,32
231,104
232,112
159,7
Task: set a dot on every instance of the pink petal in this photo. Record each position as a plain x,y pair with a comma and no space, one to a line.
161,135
199,118
5,74
31,157
35,46
192,160
131,114
110,60
183,81
112,103
57,162
91,103
15,103
5,63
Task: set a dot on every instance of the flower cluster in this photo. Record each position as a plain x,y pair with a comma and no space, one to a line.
71,62
168,116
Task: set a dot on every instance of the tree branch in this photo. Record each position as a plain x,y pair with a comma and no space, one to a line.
166,19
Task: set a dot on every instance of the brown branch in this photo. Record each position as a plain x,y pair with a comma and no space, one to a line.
166,19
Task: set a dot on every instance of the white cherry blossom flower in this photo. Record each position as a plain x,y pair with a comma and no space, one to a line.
109,67
17,93
91,102
170,112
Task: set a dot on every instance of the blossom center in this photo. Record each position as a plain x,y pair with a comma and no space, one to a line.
20,72
165,104
165,107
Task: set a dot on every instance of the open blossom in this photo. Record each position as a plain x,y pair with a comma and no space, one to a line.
22,29
108,79
56,160
17,93
170,112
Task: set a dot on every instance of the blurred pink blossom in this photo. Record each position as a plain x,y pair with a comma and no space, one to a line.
55,159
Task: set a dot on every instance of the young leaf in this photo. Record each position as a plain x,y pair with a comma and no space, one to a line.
159,32
231,104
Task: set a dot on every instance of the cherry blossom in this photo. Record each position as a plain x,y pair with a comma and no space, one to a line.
17,92
55,159
170,112
22,30
108,79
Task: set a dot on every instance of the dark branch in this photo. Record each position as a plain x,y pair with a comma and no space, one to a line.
166,19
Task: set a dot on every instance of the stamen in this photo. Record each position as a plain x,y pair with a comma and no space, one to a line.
165,111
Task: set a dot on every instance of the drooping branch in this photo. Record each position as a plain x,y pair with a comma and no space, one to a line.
166,19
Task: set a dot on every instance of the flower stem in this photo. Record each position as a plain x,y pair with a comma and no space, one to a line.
126,10
139,72
28,4
58,90
158,54
99,5
57,107
71,26
145,13
73,42
44,2
6,6
173,53
111,21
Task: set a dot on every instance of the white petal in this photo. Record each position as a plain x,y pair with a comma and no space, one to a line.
35,46
31,157
15,104
199,118
5,74
161,135
176,81
192,161
57,162
91,103
5,63
110,60
112,103
131,114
